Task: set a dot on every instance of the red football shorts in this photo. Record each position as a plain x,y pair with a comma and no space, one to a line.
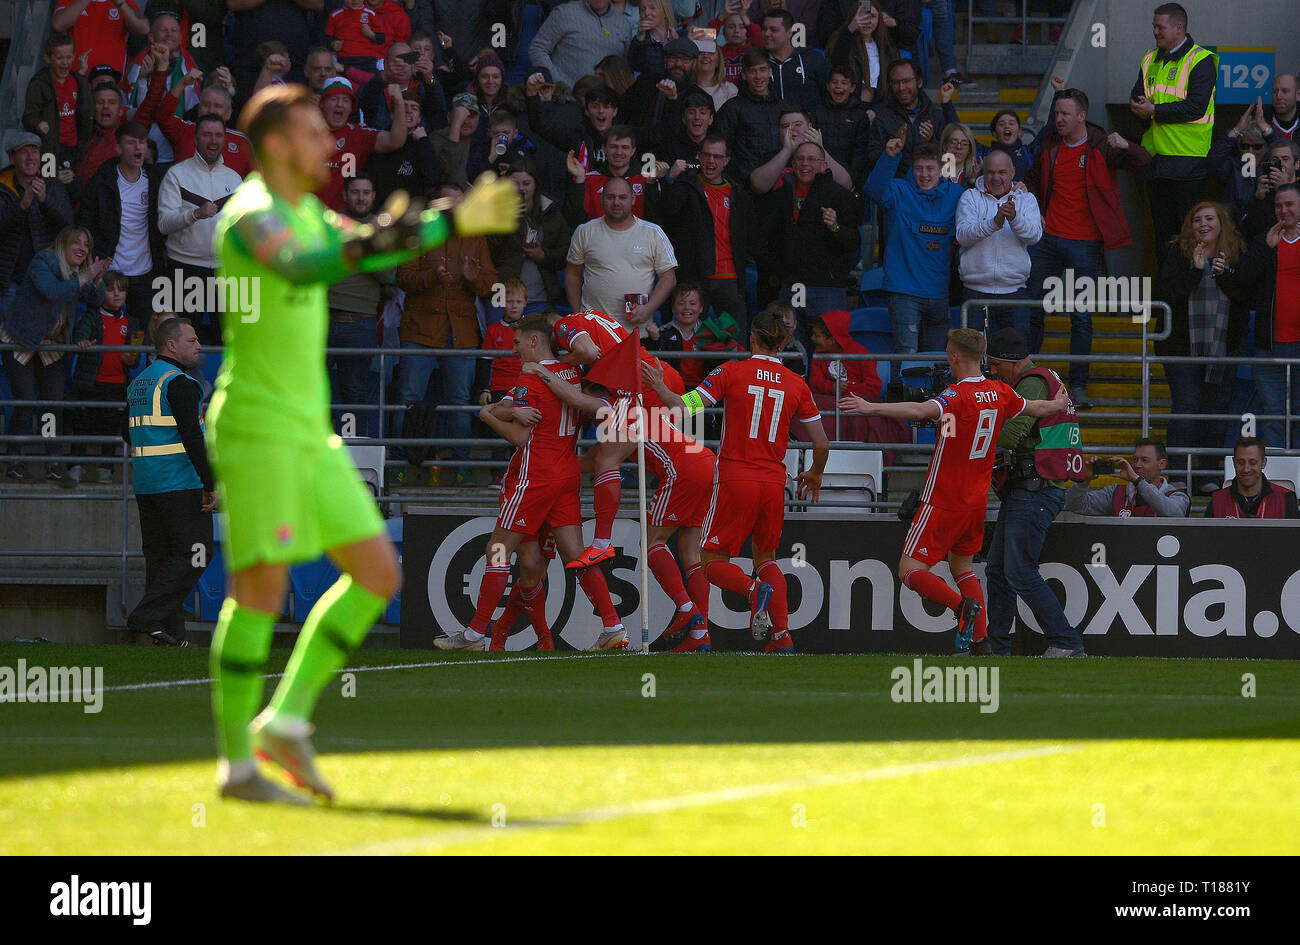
741,509
936,532
684,502
527,505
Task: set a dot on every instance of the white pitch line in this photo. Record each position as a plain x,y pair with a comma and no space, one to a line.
170,683
664,805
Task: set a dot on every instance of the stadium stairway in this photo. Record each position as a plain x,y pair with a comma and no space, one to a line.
977,105
1115,388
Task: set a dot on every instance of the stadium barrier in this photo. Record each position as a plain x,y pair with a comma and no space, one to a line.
1159,587
16,551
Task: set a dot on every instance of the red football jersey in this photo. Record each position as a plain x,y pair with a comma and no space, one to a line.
961,466
670,451
599,327
760,397
505,371
357,141
101,31
551,450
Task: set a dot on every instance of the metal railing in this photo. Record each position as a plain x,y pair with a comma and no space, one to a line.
124,493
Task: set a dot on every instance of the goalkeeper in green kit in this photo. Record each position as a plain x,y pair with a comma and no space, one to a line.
285,481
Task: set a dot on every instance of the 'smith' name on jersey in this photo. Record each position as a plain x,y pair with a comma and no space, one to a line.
972,412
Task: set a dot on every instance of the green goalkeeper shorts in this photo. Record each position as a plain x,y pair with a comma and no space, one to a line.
286,503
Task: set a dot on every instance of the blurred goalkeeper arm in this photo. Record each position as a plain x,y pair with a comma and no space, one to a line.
400,232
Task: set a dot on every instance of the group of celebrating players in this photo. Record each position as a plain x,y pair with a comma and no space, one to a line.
540,497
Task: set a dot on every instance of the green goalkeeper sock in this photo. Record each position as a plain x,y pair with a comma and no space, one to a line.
239,647
334,628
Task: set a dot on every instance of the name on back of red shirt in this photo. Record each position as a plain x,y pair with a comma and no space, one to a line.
770,376
986,397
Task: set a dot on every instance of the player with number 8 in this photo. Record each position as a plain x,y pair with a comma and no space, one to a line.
949,520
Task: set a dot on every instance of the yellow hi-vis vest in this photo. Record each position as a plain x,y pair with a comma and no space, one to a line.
1167,82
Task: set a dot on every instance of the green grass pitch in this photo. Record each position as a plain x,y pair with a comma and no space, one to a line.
509,753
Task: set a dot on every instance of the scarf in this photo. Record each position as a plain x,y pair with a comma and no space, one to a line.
1207,318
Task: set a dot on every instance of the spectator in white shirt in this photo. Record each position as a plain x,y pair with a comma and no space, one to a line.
616,260
191,196
995,228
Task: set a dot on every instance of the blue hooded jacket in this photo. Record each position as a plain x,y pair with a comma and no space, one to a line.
920,230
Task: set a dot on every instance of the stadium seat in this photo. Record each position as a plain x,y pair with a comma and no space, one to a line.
211,589
848,471
877,342
870,319
369,461
307,582
873,280
791,470
1284,470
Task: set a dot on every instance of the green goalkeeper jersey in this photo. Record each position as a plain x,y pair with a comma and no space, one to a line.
273,382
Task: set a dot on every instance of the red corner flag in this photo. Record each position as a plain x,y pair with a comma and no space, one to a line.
620,370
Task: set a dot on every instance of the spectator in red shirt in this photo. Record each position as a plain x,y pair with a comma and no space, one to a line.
1074,179
58,103
356,34
100,29
582,199
109,103
355,143
100,376
503,372
217,100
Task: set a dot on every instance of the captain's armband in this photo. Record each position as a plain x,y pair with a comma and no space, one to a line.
693,402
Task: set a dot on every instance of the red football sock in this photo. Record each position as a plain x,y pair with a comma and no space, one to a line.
597,591
490,590
779,607
729,577
698,585
608,490
669,576
969,585
534,599
933,588
514,607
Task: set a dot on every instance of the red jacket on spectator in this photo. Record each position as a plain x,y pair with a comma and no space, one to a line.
858,377
238,154
395,22
1102,183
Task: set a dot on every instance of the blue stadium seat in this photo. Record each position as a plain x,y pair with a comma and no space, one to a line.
877,342
873,280
307,582
211,589
870,319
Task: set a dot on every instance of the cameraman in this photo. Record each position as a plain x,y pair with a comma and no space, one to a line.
1146,493
1045,459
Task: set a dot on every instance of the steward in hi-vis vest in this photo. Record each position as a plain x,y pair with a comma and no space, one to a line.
173,482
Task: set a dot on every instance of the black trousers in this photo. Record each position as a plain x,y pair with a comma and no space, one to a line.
1171,200
176,537
728,295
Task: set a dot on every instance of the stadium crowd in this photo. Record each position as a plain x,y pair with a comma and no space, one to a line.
682,167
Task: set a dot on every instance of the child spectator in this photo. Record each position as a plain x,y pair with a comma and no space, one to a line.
58,105
1005,128
273,60
505,144
687,306
737,32
800,364
500,336
101,376
830,335
354,32
390,19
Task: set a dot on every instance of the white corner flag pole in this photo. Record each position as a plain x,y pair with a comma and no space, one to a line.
645,549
